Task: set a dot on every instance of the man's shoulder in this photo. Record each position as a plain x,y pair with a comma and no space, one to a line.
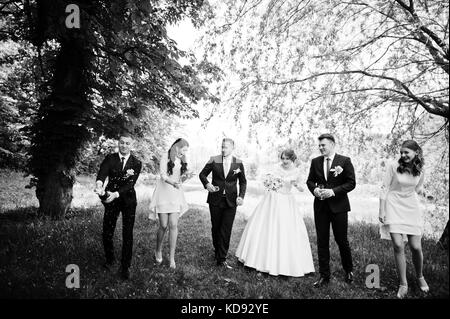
136,159
318,158
215,159
343,157
111,156
238,160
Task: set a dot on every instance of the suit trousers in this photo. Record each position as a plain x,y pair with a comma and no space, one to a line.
222,218
339,223
112,212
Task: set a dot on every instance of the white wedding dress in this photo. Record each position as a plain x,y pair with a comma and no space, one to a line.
275,239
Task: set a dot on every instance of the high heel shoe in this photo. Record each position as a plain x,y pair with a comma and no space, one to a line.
158,260
423,284
402,291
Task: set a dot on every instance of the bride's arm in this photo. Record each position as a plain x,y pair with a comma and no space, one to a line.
297,181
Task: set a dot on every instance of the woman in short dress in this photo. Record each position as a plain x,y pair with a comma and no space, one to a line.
168,201
400,211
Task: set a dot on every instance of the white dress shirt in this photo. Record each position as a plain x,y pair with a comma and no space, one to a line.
331,157
226,165
126,157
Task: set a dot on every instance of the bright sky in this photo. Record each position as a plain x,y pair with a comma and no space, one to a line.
206,141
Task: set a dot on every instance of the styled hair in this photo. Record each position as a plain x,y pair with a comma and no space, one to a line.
180,142
327,136
290,154
227,139
415,166
125,134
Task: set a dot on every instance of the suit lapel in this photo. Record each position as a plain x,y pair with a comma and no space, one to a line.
233,160
322,159
119,168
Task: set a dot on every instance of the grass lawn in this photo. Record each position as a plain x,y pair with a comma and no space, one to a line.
34,254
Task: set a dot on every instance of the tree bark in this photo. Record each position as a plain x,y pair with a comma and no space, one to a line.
55,193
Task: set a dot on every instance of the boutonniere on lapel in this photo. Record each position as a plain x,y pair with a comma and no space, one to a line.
337,170
129,173
236,171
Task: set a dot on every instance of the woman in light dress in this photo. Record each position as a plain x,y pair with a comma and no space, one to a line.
168,202
400,211
275,239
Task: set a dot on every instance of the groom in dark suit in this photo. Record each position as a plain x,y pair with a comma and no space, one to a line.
223,196
122,170
331,177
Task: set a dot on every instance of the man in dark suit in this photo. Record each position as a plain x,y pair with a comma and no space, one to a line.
122,170
331,177
223,197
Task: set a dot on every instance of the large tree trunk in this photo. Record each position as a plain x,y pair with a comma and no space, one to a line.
55,193
59,132
443,241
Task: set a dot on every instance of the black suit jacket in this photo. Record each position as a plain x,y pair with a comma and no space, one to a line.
340,184
117,178
228,182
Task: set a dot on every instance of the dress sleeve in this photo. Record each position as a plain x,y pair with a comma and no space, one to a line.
163,167
387,181
419,186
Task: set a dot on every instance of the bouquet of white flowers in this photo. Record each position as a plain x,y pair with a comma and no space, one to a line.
272,183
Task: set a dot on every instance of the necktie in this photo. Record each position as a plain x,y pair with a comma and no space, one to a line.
122,159
328,166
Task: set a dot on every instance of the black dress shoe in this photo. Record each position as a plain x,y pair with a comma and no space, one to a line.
349,277
125,274
323,281
224,264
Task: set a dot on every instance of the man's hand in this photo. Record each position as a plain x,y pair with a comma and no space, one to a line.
327,193
210,187
111,197
318,192
239,201
381,216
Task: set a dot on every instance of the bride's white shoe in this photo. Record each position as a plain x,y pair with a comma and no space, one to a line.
423,284
402,291
173,265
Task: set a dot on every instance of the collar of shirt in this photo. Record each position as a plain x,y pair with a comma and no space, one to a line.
331,157
227,159
126,157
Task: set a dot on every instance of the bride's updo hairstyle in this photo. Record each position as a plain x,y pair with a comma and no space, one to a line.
289,154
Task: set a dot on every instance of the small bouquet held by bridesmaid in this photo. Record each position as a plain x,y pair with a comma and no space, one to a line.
272,183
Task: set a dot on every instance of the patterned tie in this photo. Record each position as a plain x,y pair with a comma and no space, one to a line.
328,166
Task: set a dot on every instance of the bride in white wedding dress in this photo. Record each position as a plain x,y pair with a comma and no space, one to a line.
275,239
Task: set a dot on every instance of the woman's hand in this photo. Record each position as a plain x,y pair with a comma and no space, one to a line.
382,216
177,185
